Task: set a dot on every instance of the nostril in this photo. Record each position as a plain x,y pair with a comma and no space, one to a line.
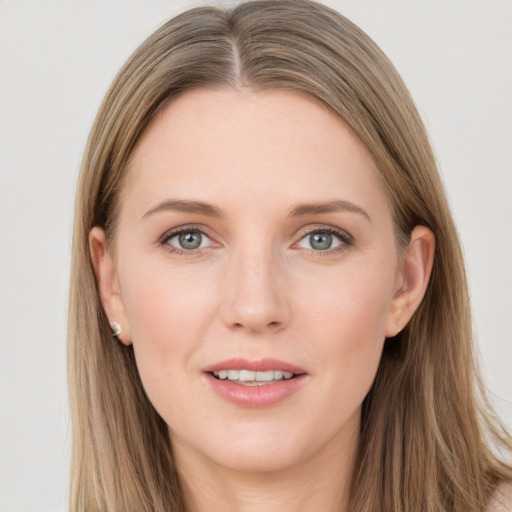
271,325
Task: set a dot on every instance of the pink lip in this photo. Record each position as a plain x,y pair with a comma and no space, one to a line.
261,365
255,397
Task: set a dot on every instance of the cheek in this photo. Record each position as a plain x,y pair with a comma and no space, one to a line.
346,319
169,313
164,303
350,302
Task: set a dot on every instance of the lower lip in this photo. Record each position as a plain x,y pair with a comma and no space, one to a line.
255,397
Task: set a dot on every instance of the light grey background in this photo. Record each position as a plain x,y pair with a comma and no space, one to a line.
57,58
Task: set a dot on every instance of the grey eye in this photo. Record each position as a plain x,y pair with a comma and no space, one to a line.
320,241
189,240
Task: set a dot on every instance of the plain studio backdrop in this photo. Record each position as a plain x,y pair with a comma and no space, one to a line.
57,59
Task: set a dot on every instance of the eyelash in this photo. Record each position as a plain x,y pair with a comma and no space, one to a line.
163,241
345,239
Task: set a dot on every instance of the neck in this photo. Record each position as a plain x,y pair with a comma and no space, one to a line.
320,482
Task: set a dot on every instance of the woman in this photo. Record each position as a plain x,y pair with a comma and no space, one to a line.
268,307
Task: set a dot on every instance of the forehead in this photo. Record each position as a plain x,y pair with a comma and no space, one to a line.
210,142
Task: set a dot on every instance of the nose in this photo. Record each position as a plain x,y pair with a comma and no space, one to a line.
255,293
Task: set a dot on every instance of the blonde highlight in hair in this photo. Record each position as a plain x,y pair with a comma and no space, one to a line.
427,429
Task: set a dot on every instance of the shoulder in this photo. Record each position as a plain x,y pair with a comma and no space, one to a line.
502,500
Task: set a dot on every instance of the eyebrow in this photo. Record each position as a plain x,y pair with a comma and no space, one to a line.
327,207
184,206
201,208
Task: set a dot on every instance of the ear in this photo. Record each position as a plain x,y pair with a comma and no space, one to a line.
414,275
108,285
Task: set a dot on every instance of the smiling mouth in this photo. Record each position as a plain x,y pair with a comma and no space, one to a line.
252,378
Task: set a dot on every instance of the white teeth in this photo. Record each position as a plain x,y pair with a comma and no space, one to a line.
263,376
248,376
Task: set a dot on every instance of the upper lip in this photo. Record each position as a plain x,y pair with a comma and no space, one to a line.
259,365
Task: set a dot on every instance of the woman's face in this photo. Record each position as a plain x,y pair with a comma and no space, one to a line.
255,242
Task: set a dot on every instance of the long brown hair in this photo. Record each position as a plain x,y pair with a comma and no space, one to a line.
429,437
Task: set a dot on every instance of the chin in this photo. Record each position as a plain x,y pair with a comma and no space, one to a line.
257,451
258,461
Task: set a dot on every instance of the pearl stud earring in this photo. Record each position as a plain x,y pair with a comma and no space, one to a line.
116,329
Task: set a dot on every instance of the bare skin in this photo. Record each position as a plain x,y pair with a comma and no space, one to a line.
255,227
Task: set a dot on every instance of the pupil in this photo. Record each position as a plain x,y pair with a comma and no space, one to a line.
190,240
320,241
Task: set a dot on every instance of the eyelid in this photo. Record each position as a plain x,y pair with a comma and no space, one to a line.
346,238
180,229
171,233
